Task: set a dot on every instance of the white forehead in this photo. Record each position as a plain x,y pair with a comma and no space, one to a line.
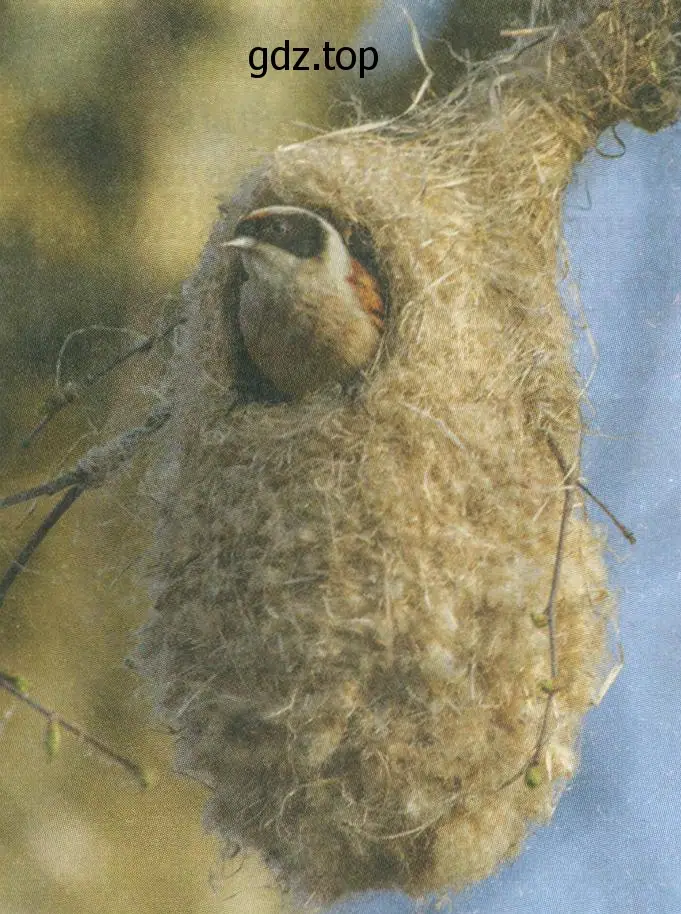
290,211
337,255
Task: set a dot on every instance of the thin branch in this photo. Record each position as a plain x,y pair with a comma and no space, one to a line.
99,462
531,770
625,531
13,685
19,563
71,392
531,773
75,477
550,611
543,731
91,471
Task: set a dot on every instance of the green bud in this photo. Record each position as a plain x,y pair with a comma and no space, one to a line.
147,777
533,776
52,739
19,683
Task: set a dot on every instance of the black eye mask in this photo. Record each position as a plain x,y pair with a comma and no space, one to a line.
298,233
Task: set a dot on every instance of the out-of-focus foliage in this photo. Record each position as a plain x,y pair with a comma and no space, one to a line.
120,124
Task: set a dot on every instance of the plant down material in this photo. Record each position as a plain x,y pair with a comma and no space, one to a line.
349,588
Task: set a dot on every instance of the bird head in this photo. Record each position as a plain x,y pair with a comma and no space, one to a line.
310,313
276,240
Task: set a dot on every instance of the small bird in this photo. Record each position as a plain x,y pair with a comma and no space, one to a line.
309,312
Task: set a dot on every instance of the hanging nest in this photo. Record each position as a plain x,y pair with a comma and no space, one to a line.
353,634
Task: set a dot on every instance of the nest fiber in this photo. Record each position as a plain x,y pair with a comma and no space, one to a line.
350,587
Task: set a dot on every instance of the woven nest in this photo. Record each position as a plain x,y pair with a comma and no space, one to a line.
350,589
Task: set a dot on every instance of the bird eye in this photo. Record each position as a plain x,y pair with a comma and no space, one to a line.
279,228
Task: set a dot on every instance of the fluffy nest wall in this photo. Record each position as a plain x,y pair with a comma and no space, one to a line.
350,589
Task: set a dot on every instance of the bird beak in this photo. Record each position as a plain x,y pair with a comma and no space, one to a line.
244,243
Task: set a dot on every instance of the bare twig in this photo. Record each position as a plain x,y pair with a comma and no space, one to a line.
532,770
14,686
91,471
98,464
36,539
625,531
571,480
532,773
75,477
71,392
550,611
543,732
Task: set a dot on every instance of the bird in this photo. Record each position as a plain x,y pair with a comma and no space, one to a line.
309,312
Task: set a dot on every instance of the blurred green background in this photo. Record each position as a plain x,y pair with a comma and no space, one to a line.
120,124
